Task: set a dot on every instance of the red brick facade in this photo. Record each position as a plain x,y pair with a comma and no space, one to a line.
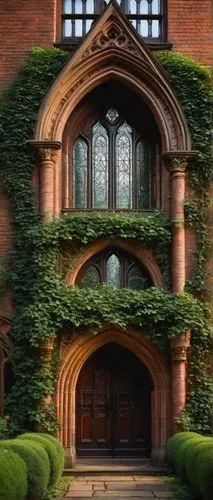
38,23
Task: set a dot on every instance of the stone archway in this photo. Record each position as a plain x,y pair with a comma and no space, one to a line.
75,355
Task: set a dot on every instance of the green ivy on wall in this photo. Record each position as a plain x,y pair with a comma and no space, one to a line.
44,303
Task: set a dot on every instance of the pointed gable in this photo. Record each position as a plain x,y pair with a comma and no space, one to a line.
113,50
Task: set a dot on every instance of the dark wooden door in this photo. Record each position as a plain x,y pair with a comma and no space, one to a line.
113,405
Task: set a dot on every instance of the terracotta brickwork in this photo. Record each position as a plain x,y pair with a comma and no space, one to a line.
190,28
127,59
27,24
24,25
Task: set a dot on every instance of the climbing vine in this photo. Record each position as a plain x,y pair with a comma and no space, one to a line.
44,303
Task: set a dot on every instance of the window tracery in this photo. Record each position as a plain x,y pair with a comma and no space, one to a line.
116,269
112,167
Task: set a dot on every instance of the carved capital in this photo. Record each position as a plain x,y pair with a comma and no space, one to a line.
46,347
177,161
46,150
179,346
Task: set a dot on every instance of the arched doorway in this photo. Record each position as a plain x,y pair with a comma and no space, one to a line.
76,352
113,397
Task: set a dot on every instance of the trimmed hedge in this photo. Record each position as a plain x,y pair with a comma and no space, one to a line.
173,447
38,469
204,469
191,461
50,447
13,476
191,456
59,447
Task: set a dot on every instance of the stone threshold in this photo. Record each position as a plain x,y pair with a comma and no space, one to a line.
114,466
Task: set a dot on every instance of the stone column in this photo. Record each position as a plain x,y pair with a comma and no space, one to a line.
46,351
177,162
47,154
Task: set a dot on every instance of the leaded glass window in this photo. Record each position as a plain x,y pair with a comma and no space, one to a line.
113,274
137,279
91,278
116,269
147,16
100,166
113,167
144,161
80,160
123,167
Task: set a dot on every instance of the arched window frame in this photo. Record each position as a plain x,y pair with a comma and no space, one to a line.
112,134
126,261
76,25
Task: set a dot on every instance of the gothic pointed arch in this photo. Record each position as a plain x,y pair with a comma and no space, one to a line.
113,50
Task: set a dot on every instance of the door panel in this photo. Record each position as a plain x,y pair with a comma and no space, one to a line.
113,405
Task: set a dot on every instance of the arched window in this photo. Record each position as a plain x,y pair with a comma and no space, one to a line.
116,269
147,17
113,167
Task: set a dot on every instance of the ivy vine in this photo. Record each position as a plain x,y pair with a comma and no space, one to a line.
44,303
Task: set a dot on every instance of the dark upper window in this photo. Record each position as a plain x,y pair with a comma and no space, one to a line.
116,269
147,17
112,167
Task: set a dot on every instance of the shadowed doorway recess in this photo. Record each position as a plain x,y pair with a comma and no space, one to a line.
113,405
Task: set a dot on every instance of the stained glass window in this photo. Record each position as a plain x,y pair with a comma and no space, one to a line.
137,279
91,278
116,269
80,154
113,169
123,167
144,175
100,166
113,272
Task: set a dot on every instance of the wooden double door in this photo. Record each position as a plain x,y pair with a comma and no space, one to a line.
113,405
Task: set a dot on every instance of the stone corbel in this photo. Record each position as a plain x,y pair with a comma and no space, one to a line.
179,346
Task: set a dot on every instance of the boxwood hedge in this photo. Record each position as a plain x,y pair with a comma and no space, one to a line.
13,476
191,457
50,447
37,470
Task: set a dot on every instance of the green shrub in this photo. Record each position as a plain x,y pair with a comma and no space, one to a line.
55,470
37,469
184,451
59,448
173,446
13,476
191,460
204,470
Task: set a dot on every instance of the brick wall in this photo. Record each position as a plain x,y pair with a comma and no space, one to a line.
190,28
29,23
24,24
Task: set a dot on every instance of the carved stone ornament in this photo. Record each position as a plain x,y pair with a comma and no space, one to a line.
112,36
177,161
179,353
46,150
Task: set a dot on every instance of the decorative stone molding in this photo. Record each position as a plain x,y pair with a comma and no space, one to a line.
112,36
112,50
46,347
47,154
75,356
177,161
46,150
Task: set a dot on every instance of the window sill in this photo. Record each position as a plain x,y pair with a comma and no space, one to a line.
108,210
